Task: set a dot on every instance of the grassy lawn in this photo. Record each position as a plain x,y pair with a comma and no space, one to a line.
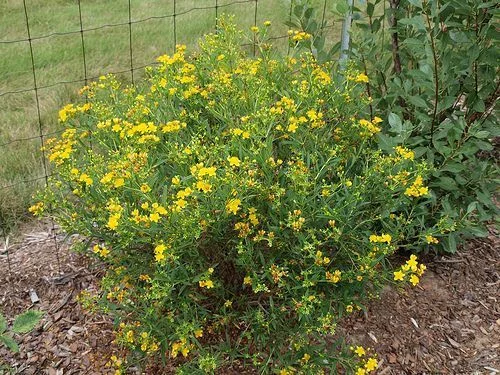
59,58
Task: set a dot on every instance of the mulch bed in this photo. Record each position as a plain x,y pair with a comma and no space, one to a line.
449,324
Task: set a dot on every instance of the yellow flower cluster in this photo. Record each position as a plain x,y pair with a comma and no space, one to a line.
181,346
417,189
368,364
101,250
431,239
206,282
173,126
233,206
298,36
369,128
361,78
62,150
404,152
320,260
296,220
382,238
159,252
37,208
333,277
411,268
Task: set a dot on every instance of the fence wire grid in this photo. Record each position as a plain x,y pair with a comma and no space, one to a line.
217,9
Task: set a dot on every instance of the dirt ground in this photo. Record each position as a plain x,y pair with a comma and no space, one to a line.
449,324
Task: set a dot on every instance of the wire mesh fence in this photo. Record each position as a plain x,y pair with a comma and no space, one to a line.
31,93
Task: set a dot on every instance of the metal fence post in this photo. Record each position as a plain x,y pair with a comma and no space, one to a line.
345,36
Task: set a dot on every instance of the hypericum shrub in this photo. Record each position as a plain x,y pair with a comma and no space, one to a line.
241,204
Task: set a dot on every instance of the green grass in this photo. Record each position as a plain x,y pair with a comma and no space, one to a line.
59,58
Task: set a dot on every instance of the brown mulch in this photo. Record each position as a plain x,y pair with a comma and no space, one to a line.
68,340
449,324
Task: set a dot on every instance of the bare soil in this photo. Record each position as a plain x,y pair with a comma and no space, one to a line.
449,324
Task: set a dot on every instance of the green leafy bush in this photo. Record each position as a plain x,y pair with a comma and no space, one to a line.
241,205
433,70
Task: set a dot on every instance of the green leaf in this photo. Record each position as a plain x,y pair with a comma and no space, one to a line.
395,123
471,207
450,243
342,7
446,183
387,143
27,321
416,3
9,342
417,101
453,167
3,324
482,134
370,7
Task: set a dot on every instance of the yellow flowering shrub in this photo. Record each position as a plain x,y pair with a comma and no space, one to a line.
240,204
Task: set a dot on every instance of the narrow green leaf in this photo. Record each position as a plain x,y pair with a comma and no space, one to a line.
471,207
3,324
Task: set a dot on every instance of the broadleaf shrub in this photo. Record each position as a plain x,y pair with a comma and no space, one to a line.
433,70
242,206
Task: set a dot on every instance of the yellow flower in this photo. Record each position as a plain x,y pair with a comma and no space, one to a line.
154,217
360,351
267,23
160,252
206,284
204,171
254,29
204,186
371,364
334,277
412,262
198,333
176,180
180,204
253,219
399,275
430,239
37,208
86,179
119,182
360,371
414,280
362,78
349,308
292,128
113,221
405,153
417,189
234,161
247,280
145,188
382,238
233,205
421,269
184,193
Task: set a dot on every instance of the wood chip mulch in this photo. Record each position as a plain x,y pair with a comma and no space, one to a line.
449,324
